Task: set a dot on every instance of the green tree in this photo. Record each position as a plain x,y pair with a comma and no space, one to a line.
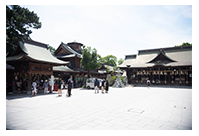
184,44
107,69
52,49
18,23
89,60
110,60
120,61
99,57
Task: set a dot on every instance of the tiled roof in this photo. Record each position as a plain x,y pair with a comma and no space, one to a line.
37,52
179,56
68,48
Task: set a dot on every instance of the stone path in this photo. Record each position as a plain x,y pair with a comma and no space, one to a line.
122,109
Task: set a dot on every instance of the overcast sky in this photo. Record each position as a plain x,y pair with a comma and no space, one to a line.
118,30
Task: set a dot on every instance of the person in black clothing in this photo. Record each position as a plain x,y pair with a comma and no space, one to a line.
96,85
107,86
103,85
59,88
69,86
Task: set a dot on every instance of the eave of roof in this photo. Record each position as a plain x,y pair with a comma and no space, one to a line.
64,69
165,56
35,52
68,48
181,58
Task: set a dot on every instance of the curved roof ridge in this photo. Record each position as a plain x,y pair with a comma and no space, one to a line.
68,48
161,53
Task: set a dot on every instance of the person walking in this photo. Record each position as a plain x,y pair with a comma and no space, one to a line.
107,86
96,84
148,83
34,86
50,86
69,86
18,86
45,85
103,85
59,88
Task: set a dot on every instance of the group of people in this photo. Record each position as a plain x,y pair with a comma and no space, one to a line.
69,87
61,84
149,83
105,86
46,85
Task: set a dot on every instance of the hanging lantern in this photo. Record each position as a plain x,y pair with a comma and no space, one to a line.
161,72
158,72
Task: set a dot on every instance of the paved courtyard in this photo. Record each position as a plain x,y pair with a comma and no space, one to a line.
121,109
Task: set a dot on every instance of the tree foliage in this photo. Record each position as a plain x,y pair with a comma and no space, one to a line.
52,49
109,60
89,59
18,23
184,44
120,61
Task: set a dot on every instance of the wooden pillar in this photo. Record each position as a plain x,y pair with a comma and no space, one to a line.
29,83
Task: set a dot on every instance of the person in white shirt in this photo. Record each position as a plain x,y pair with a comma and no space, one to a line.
45,86
50,86
34,85
148,83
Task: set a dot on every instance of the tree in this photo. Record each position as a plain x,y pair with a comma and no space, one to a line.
120,61
52,49
184,44
89,60
99,57
107,69
110,60
18,23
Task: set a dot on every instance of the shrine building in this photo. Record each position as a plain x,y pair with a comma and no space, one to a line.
31,61
72,52
167,66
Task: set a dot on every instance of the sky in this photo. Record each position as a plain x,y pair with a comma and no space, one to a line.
117,30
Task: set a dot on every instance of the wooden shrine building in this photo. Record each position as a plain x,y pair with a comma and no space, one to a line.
32,61
168,66
72,52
